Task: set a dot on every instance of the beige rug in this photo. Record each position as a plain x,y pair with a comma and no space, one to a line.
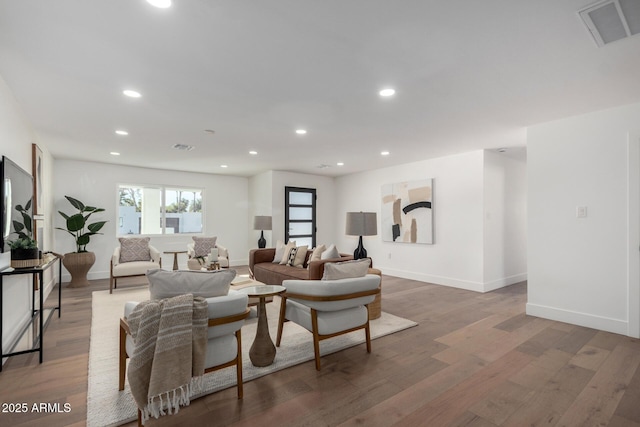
106,406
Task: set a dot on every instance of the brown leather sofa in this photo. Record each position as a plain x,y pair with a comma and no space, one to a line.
265,271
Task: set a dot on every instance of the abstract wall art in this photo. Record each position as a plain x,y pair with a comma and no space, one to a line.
407,212
37,173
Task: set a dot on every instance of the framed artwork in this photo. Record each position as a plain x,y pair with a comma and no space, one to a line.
37,165
407,212
38,232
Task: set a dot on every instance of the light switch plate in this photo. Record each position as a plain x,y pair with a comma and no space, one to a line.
581,211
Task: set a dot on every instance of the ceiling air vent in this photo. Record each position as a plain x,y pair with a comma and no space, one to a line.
183,147
612,20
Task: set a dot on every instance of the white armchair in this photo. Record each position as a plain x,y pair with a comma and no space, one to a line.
120,269
224,346
328,308
195,264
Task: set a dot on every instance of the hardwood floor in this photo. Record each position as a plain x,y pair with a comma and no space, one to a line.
474,360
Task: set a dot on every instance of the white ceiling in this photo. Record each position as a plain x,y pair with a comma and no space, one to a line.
469,75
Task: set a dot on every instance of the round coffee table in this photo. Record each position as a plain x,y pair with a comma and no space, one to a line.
262,351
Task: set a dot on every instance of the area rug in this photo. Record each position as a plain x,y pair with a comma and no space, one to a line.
107,406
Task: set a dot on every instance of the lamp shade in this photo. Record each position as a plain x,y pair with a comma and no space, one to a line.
262,223
361,224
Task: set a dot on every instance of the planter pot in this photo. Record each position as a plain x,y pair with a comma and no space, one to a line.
78,264
25,258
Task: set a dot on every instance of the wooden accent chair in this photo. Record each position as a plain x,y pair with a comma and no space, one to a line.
194,264
375,308
224,346
328,308
131,269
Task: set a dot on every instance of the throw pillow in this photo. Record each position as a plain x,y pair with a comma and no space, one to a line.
202,245
206,284
134,249
317,252
297,256
285,253
346,270
279,252
330,253
291,258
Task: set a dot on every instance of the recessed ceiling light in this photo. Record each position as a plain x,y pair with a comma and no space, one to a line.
114,153
224,166
387,92
253,153
340,164
384,153
162,4
131,93
122,132
209,131
301,131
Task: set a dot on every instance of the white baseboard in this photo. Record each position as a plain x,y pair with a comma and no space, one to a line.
506,281
456,283
438,280
239,262
607,324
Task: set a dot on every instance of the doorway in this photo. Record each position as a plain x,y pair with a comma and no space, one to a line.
300,216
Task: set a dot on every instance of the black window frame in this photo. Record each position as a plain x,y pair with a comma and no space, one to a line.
287,221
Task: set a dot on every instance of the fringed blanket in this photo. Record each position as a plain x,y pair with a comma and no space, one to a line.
167,364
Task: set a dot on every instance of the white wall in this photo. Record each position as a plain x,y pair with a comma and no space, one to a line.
325,210
505,239
225,208
16,137
260,203
579,267
457,256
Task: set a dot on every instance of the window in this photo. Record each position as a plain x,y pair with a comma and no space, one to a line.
159,210
300,215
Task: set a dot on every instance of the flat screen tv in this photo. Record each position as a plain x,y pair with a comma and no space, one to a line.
16,189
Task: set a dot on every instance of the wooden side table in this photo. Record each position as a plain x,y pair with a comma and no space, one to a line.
262,351
175,257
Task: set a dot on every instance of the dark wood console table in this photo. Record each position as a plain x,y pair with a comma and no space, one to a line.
39,313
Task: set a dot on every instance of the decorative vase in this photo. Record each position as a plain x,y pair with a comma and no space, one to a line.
25,258
78,264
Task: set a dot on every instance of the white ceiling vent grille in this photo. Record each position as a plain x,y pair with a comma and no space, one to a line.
612,20
183,147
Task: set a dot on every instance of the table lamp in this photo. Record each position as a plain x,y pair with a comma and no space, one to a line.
361,224
262,223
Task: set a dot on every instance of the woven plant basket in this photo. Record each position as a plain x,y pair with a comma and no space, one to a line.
78,264
375,308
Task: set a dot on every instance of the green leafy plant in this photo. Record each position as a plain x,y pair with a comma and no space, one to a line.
77,224
24,229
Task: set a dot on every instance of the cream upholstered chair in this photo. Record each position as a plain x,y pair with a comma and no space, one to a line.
328,308
195,264
224,346
122,266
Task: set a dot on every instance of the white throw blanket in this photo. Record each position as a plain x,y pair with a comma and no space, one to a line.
167,365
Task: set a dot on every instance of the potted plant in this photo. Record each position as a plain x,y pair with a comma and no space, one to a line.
24,250
79,263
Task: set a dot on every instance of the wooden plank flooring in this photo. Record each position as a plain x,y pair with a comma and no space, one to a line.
474,360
